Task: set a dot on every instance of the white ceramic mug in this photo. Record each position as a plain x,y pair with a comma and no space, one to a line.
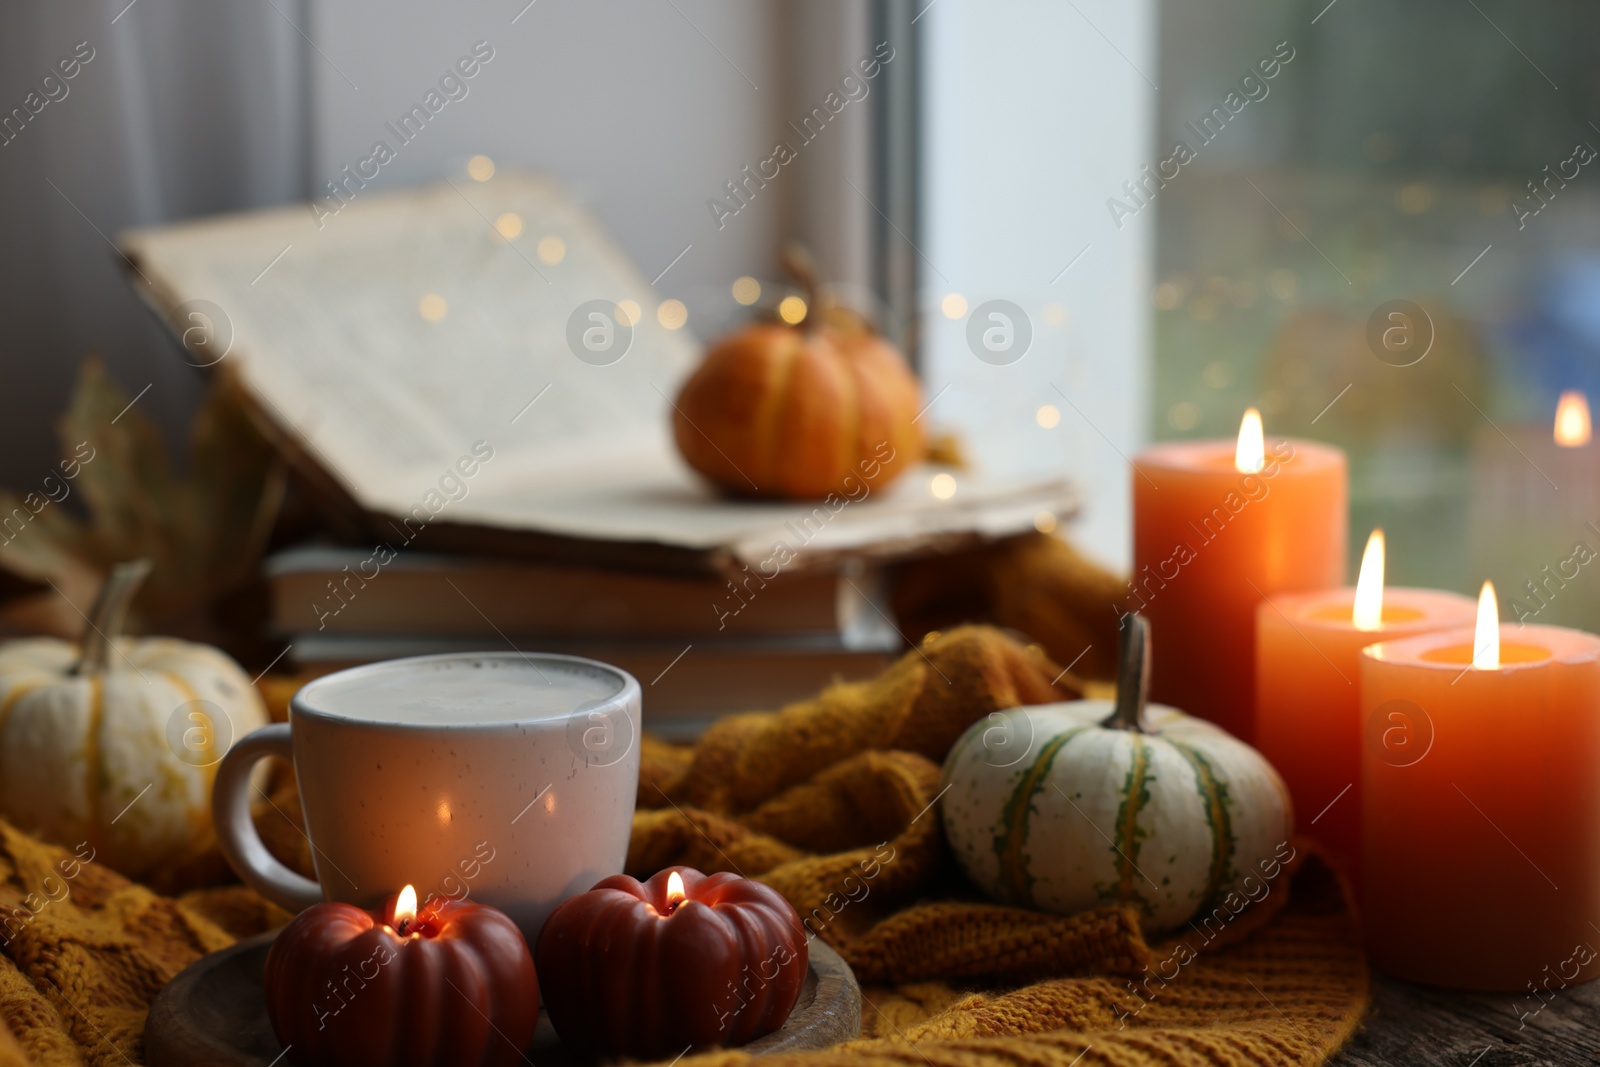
503,778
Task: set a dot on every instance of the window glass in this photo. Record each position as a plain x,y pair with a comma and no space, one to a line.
1383,233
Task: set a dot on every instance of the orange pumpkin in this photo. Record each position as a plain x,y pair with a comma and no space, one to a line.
801,411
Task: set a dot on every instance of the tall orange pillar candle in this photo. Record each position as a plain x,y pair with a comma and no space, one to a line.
1217,527
1481,858
1308,693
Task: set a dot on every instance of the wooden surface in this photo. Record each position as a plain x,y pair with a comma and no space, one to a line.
1420,1027
213,1014
828,1011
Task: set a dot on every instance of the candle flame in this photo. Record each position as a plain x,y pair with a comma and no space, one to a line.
1250,455
1368,612
1572,419
1486,639
675,893
405,908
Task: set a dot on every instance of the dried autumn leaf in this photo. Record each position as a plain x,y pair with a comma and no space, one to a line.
204,533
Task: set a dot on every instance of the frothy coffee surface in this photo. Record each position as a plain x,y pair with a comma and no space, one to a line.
461,690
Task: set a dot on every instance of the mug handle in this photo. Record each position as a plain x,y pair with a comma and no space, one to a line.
236,834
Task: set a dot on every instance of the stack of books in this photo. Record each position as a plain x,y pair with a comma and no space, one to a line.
700,646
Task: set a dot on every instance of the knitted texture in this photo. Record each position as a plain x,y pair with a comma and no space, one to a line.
1035,583
833,801
86,951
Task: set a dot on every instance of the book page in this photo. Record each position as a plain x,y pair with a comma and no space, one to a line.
393,335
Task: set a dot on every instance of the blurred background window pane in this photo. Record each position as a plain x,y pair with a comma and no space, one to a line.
1036,328
1416,173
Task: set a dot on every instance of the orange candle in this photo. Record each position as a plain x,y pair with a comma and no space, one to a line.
1481,858
1308,695
1217,527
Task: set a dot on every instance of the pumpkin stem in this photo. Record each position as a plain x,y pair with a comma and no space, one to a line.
1133,675
110,611
803,269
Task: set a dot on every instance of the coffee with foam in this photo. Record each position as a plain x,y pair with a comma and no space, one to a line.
462,691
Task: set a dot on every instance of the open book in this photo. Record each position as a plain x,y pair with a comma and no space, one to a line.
478,358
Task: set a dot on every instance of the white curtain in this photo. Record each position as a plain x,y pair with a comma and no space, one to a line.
182,108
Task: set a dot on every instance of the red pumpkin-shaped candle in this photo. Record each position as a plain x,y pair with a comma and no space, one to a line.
453,985
648,970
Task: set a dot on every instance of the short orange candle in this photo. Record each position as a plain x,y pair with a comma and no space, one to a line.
1217,527
1481,858
1308,694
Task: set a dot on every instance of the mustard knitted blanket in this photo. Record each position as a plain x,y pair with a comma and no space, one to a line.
833,802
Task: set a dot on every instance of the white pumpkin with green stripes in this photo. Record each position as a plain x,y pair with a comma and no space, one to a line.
1065,807
115,743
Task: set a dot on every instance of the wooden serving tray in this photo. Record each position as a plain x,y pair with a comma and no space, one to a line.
214,1013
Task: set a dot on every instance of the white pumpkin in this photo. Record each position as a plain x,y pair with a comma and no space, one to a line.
1065,807
116,742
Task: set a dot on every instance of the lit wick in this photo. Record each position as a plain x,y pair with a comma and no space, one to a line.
1367,613
405,910
1486,637
1572,420
675,893
1250,454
